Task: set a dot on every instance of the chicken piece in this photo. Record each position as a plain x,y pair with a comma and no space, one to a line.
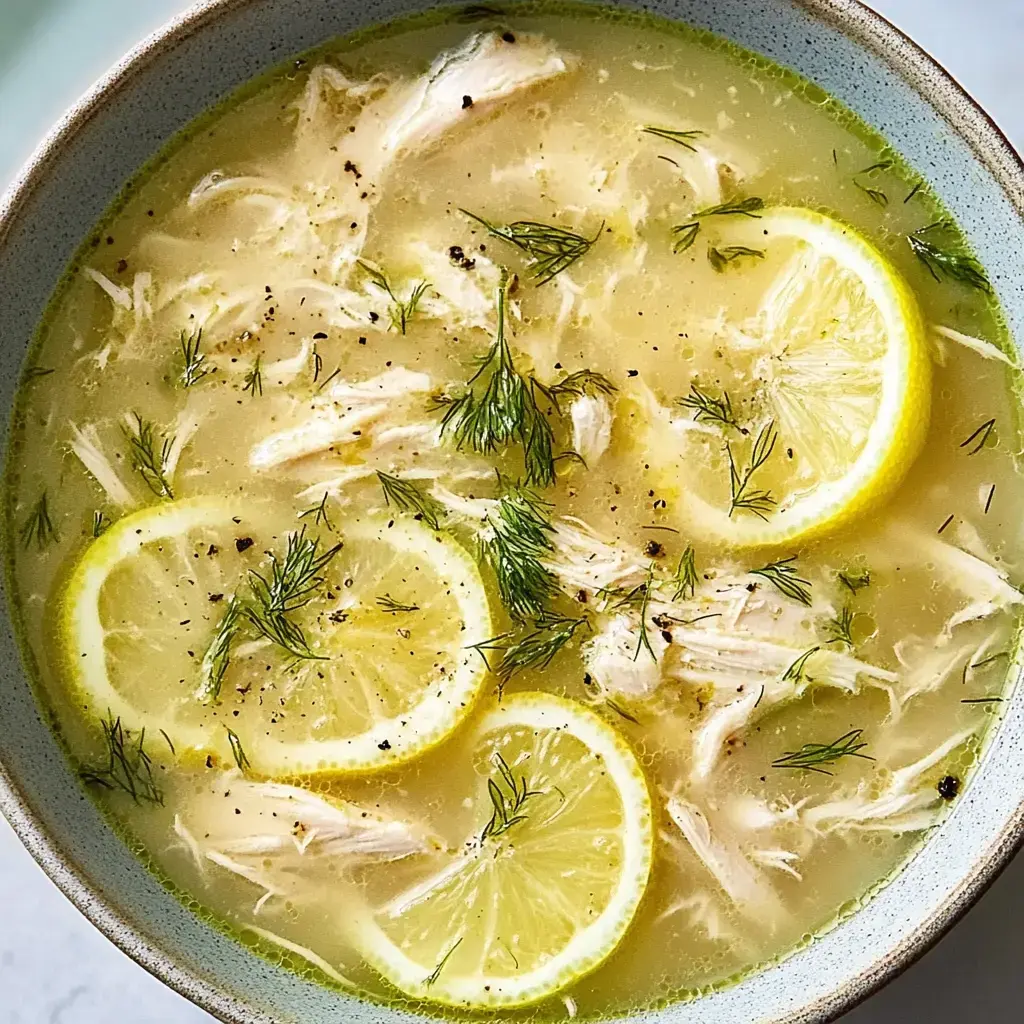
591,427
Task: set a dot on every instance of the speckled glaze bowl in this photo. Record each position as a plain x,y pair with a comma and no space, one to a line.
177,74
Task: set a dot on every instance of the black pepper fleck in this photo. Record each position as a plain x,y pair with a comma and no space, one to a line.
949,786
243,544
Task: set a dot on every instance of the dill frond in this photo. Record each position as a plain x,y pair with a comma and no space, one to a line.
400,311
218,654
783,575
436,972
741,496
854,580
319,513
237,750
748,207
508,800
38,527
35,372
797,671
947,263
253,380
148,452
514,549
681,138
194,366
721,258
410,497
318,364
981,435
578,384
551,249
535,648
128,767
876,195
708,408
685,236
811,757
100,523
389,604
841,627
685,578
643,640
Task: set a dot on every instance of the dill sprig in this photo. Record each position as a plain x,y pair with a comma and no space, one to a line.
947,263
149,453
685,578
708,408
854,579
797,671
841,627
194,367
128,767
35,372
741,496
253,380
319,513
100,522
410,497
685,236
389,604
578,384
981,435
876,195
812,757
748,207
400,311
721,258
551,249
293,582
318,364
784,576
643,640
506,411
681,138
514,549
508,799
218,654
38,527
535,648
436,972
237,750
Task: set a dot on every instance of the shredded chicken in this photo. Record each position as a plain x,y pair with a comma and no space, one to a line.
85,443
983,348
591,427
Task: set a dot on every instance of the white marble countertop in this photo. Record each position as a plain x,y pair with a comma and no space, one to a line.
54,967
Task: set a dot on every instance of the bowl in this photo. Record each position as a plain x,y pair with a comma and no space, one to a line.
79,170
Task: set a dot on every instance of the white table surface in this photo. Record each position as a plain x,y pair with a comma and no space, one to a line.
54,967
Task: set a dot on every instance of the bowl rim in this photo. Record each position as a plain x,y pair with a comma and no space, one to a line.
867,28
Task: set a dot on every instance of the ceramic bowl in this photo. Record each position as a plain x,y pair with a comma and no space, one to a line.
177,74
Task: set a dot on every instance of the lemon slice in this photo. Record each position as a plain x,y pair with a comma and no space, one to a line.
389,626
830,373
546,886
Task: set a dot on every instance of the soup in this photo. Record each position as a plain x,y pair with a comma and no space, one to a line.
516,514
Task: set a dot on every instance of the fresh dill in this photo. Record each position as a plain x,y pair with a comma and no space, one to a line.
100,523
708,408
643,640
947,263
748,207
253,380
578,384
149,453
436,972
319,513
534,648
514,548
621,711
797,672
741,495
237,750
945,523
988,499
854,579
913,192
685,578
681,138
990,659
551,249
983,700
400,311
813,757
410,497
292,583
981,435
318,364
38,527
194,365
127,767
218,654
505,411
721,258
841,627
784,576
876,195
35,372
685,236
389,604
508,799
